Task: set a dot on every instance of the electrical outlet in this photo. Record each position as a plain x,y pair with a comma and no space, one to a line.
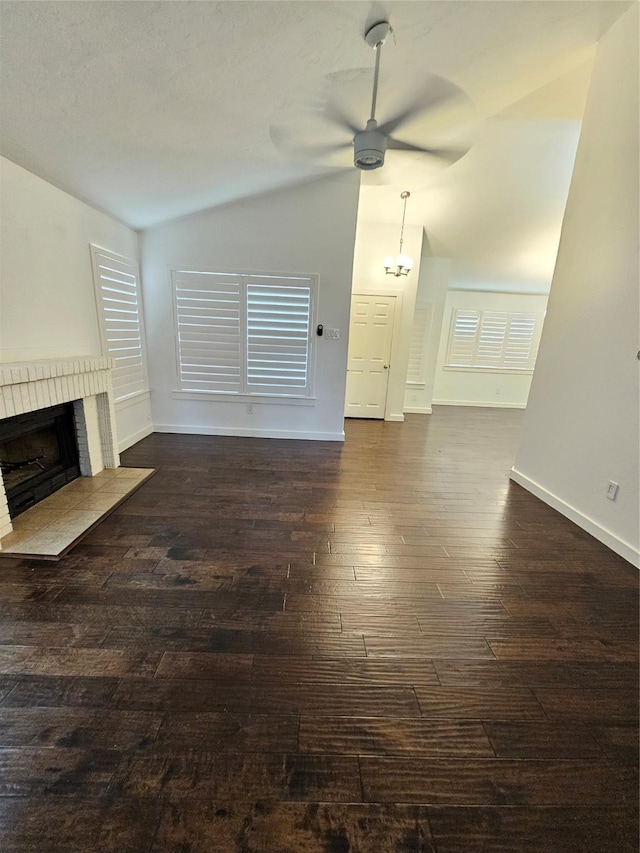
612,490
332,334
249,409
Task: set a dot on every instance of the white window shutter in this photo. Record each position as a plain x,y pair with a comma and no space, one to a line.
244,334
491,339
421,322
522,343
494,340
208,319
278,335
463,338
120,315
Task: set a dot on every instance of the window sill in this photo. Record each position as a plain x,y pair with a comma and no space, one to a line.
257,399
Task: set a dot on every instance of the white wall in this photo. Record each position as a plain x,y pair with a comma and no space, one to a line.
305,229
47,300
374,241
479,388
581,425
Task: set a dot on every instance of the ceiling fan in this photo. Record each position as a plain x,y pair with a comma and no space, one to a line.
371,144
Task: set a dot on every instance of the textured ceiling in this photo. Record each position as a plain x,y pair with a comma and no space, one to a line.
153,110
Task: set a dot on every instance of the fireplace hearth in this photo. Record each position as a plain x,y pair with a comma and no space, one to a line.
57,420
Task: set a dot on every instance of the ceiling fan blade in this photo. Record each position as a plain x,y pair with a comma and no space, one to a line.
451,155
320,151
438,92
335,115
287,143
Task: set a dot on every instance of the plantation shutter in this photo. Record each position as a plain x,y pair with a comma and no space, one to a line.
119,312
278,335
523,341
462,342
491,338
244,334
494,340
208,318
421,322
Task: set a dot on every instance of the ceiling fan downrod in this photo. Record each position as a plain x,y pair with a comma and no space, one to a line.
370,145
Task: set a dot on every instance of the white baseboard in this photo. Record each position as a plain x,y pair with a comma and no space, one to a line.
417,410
130,440
396,418
184,429
624,549
485,405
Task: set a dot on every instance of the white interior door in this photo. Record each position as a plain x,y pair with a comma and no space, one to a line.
370,335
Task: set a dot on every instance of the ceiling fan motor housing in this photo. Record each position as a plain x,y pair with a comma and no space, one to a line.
369,147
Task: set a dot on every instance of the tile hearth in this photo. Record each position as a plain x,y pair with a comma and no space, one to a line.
49,529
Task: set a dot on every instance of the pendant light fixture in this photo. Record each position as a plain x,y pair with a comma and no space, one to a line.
403,264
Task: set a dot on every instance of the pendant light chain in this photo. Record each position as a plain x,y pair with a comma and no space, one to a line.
405,195
403,264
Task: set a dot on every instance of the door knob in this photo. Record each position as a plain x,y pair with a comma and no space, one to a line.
386,366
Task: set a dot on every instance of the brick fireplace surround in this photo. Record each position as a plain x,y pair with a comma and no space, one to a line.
85,382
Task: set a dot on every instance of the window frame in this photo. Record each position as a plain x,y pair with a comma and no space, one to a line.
244,395
94,251
499,368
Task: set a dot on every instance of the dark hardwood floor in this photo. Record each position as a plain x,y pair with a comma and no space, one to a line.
295,647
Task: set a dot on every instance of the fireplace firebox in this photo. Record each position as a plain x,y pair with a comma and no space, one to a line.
38,455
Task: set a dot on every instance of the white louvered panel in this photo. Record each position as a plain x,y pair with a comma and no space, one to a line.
521,347
462,340
421,322
208,318
117,291
491,338
278,335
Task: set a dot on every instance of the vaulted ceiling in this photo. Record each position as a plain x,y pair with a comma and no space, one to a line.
151,110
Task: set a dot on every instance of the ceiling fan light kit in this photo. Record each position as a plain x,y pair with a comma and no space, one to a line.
402,264
369,147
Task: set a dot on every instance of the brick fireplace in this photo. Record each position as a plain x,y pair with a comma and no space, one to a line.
83,382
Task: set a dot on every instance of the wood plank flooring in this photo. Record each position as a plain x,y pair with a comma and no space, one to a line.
304,647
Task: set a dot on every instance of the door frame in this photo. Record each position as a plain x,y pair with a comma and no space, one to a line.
394,377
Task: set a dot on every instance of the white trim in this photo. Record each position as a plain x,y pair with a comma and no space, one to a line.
619,546
255,399
418,410
134,438
481,405
516,371
395,418
186,429
460,288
